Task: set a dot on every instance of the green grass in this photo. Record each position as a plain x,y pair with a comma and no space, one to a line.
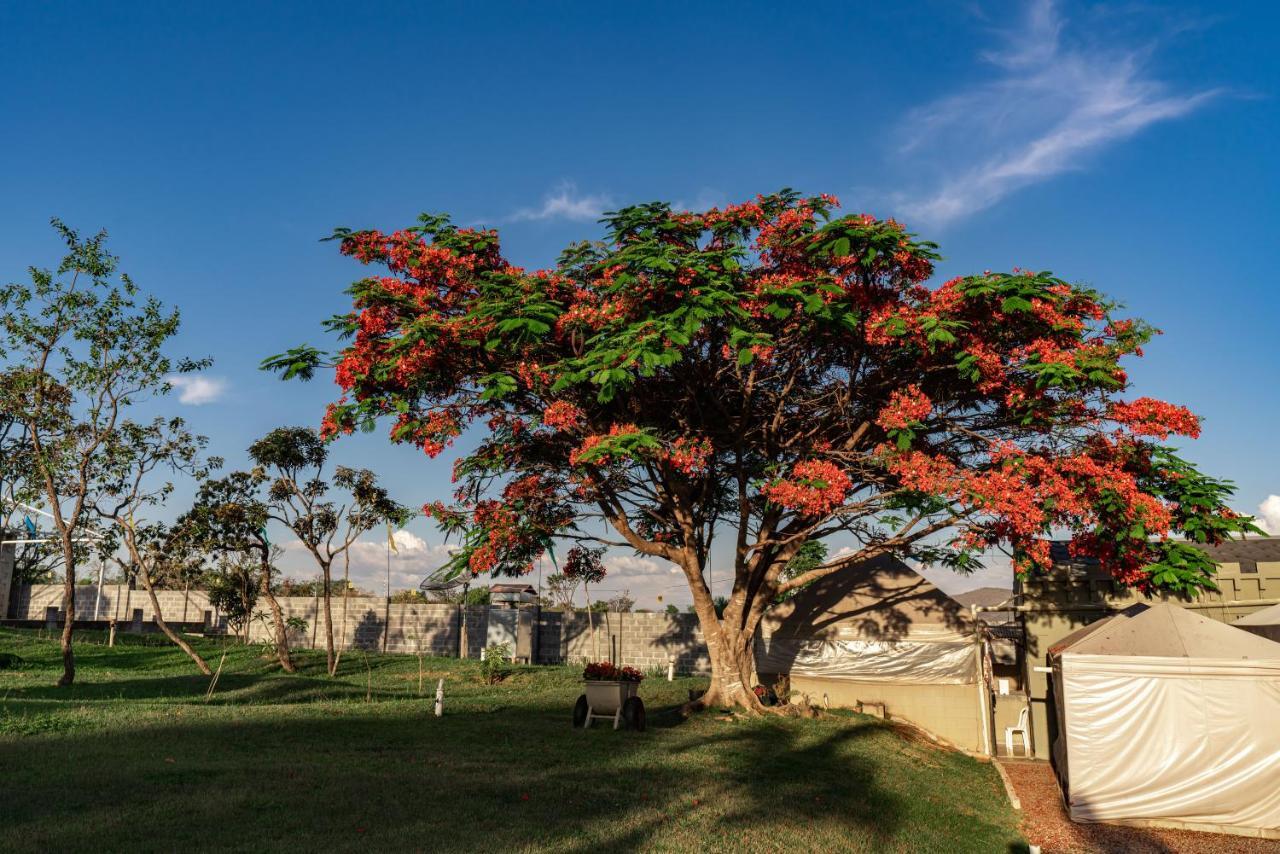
133,758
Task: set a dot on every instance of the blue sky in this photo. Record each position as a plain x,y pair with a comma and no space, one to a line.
1128,146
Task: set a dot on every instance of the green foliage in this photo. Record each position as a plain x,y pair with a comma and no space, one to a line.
811,555
496,664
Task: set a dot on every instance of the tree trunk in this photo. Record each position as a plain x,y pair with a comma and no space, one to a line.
732,665
591,621
164,627
69,608
328,623
346,594
277,619
730,646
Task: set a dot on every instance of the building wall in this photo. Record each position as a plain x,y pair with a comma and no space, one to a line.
639,640
951,712
1055,607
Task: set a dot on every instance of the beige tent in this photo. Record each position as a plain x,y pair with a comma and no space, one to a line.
879,633
1264,623
1166,717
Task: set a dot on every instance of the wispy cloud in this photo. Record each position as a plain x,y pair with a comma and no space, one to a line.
196,390
1053,102
565,202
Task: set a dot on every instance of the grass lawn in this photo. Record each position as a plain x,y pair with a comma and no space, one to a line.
132,757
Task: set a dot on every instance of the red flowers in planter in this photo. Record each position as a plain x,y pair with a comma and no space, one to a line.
607,671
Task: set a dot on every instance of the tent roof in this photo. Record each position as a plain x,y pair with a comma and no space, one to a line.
1166,631
879,599
1265,617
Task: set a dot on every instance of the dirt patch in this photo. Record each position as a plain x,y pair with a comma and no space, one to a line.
1045,823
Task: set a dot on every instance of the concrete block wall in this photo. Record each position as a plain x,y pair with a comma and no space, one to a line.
639,640
116,602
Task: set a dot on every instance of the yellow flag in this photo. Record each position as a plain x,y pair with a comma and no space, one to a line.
391,540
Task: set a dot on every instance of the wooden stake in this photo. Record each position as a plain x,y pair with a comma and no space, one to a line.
440,699
213,683
368,685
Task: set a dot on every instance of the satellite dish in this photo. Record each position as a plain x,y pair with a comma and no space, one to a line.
441,581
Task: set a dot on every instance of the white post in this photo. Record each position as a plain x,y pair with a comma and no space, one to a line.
97,602
671,670
984,700
440,698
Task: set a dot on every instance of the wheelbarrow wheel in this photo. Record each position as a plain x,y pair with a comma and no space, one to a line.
633,714
580,712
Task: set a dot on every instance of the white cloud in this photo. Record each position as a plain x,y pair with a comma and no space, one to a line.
1053,103
414,559
196,390
1269,514
565,203
634,566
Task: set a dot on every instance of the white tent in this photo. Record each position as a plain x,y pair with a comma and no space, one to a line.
1169,718
1264,623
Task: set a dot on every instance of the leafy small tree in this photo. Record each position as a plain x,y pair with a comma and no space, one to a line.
765,375
80,347
232,586
300,498
229,517
671,610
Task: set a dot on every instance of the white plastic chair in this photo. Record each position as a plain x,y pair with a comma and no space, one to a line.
1019,729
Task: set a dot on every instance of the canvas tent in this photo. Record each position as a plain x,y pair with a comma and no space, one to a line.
881,633
1264,623
1166,717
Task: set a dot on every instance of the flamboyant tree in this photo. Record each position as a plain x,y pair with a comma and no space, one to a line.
766,375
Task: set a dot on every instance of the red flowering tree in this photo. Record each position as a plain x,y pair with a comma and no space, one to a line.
758,377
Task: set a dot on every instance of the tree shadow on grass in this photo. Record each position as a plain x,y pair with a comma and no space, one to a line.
345,777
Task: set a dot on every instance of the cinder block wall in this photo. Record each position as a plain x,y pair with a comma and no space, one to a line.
117,601
639,640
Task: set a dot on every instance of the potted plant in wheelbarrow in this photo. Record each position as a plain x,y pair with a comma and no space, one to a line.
610,693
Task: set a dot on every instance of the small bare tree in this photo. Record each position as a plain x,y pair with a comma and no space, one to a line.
561,588
133,469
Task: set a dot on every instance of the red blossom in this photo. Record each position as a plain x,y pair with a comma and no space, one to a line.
562,415
1150,417
906,408
814,487
689,456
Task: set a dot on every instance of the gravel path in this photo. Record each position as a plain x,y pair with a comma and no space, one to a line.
1045,823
